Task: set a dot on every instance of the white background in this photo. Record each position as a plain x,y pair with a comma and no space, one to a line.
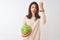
13,11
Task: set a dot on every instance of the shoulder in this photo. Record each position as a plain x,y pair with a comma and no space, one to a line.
25,18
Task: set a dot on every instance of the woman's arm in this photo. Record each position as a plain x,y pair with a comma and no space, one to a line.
43,17
24,21
42,13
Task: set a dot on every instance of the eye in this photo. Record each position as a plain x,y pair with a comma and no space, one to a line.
33,7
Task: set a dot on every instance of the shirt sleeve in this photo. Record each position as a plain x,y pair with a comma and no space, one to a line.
42,17
24,21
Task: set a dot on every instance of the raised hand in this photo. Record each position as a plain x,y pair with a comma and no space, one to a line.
41,7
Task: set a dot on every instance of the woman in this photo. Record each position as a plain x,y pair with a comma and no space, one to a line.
34,19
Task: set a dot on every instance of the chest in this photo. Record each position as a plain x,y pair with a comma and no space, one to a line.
30,21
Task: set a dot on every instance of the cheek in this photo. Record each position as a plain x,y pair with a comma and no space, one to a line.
31,9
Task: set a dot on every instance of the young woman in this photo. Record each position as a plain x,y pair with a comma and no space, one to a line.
34,19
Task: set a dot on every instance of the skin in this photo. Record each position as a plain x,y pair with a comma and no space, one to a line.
41,6
33,10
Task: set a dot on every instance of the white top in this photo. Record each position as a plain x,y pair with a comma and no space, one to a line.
35,25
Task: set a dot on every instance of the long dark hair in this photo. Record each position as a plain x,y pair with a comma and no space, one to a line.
29,11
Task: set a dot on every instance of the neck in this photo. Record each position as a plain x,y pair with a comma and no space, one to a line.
33,15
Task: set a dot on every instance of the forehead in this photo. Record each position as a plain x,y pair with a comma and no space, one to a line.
33,5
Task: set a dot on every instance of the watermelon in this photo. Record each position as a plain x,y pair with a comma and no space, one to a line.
26,29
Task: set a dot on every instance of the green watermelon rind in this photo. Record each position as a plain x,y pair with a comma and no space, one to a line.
25,30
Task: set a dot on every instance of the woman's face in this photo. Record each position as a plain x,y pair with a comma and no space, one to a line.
33,9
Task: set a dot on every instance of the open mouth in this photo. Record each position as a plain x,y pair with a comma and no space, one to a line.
33,11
